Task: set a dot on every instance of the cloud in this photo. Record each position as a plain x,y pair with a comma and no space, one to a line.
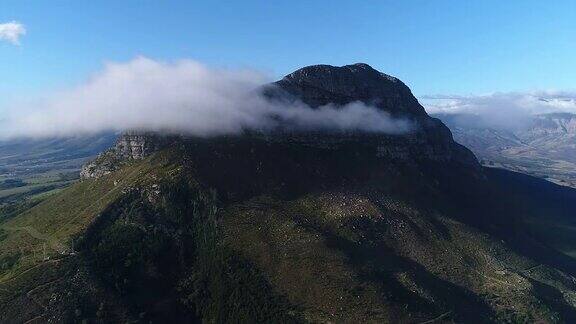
510,110
184,96
12,31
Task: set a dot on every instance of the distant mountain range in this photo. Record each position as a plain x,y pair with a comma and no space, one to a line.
34,167
544,146
25,156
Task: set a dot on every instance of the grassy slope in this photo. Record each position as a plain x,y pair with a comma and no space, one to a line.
119,272
163,245
36,247
49,226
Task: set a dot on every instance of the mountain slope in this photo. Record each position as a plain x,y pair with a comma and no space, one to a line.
38,249
290,227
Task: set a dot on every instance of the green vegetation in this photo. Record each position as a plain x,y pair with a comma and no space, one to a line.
109,223
18,195
173,238
11,183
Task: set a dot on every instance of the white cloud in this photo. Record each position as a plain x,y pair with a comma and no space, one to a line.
504,110
12,31
533,102
183,96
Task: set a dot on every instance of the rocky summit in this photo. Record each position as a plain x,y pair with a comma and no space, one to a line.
319,85
295,227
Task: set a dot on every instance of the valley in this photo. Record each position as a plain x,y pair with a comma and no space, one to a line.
32,169
544,147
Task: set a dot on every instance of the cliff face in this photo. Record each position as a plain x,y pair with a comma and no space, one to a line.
131,145
320,85
137,145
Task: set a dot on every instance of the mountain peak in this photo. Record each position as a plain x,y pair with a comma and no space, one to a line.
357,71
318,85
363,67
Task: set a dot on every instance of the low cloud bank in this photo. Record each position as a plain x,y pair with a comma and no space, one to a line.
12,31
185,97
512,110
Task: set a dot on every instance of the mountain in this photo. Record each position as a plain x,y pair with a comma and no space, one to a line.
544,146
295,226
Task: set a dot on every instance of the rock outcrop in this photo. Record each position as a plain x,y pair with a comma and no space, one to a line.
131,145
103,164
137,144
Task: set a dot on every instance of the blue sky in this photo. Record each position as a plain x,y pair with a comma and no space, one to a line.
436,47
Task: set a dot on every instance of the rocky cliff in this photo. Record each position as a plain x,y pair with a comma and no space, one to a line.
131,145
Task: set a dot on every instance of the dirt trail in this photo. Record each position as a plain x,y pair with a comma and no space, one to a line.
34,319
32,268
52,242
436,319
